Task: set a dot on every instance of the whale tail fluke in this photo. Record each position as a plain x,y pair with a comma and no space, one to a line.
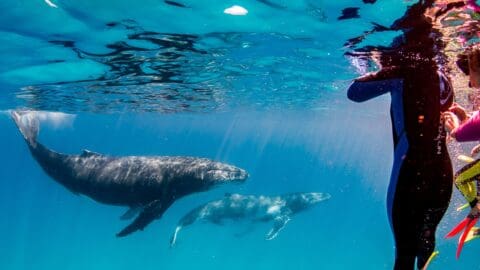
28,124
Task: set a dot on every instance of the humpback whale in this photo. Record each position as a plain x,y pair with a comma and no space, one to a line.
147,185
278,209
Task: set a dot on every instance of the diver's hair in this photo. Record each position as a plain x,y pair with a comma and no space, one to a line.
462,58
462,63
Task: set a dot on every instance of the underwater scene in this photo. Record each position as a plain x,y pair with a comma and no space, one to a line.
238,134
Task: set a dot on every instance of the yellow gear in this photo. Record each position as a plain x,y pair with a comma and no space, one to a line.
432,256
465,180
473,234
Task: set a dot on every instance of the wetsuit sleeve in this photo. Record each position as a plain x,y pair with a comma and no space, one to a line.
360,91
375,84
470,130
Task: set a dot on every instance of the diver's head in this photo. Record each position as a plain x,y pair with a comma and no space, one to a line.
474,67
469,60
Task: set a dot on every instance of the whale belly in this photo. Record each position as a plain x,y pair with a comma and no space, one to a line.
117,181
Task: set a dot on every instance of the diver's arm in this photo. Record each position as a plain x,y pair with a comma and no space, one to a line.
373,85
468,131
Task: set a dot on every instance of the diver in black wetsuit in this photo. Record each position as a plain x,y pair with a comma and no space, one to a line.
421,179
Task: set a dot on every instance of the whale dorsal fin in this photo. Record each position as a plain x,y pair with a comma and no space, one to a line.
88,153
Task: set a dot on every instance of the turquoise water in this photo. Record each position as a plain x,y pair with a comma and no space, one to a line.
49,227
265,92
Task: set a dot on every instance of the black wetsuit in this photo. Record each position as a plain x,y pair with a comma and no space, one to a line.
421,180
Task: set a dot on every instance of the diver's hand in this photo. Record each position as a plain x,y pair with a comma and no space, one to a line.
460,112
475,150
385,73
371,76
451,122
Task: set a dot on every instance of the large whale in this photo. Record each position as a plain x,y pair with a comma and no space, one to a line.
147,185
278,209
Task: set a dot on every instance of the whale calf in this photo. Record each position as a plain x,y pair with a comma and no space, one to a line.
278,209
147,185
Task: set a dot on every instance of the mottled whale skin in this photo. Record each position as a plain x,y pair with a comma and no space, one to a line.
278,209
147,185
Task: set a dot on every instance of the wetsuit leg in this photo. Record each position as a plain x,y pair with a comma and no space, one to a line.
436,199
416,240
421,199
400,210
426,235
405,232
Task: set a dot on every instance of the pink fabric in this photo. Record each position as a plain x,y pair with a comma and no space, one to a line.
473,5
470,130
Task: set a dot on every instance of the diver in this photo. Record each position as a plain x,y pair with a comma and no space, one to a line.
464,127
421,179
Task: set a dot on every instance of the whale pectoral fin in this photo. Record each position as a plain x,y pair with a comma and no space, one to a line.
88,153
278,224
173,239
130,213
150,212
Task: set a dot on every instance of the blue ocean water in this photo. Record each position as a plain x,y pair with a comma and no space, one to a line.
265,92
49,227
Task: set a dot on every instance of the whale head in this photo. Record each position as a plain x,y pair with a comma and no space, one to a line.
314,197
301,201
199,174
219,173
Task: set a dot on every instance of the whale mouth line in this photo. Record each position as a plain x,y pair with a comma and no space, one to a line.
226,175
